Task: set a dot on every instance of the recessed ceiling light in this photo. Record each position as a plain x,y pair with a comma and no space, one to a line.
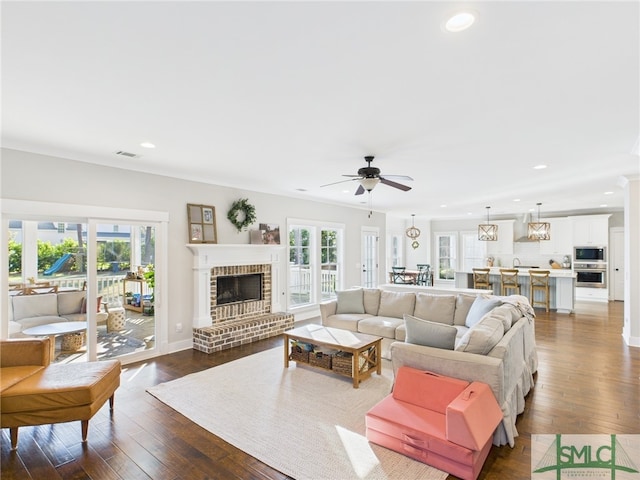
460,21
608,193
443,206
346,191
539,167
604,205
516,199
147,145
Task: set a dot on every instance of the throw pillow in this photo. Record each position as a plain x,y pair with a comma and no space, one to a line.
463,304
435,308
83,307
350,301
481,306
396,304
371,300
429,334
482,337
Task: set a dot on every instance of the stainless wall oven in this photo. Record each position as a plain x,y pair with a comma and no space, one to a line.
592,275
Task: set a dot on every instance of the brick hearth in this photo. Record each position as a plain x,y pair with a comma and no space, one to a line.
232,333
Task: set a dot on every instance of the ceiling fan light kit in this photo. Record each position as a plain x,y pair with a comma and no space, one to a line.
488,232
539,230
369,183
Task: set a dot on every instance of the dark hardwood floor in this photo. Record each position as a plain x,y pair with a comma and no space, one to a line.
587,382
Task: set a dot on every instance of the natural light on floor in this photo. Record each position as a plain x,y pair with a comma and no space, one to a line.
359,451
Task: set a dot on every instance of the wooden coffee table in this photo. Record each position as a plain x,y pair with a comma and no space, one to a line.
52,330
363,348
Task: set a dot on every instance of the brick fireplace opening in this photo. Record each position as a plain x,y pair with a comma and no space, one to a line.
233,274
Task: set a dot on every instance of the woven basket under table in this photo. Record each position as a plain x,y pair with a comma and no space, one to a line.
320,359
299,355
342,362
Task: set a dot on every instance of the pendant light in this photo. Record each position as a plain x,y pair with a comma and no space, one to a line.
488,232
539,230
413,233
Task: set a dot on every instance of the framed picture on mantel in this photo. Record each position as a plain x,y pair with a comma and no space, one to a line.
202,223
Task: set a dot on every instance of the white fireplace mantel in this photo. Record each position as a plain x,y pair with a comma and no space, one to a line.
207,256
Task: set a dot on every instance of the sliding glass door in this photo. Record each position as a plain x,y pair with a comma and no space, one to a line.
54,258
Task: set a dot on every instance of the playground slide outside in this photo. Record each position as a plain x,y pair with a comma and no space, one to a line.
58,264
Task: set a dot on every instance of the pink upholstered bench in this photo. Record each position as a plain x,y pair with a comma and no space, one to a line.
444,422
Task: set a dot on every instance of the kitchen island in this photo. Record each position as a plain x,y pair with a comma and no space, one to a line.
561,285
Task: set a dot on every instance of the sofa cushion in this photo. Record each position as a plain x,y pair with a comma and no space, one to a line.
37,321
430,334
371,298
506,314
61,385
435,308
482,337
70,302
350,301
481,305
12,375
344,321
463,305
40,305
380,326
396,304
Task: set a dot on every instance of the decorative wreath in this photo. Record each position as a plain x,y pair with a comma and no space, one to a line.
242,214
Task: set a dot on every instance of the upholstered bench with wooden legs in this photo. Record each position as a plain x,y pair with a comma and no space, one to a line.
34,392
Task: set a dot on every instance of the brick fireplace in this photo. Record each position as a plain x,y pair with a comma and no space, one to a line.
240,309
219,325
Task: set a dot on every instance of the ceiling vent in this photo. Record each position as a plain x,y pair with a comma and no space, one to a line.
127,154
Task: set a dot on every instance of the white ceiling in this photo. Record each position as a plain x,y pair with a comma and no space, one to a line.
286,96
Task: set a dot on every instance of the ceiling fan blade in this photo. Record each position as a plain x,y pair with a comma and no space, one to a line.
360,190
399,186
399,177
341,181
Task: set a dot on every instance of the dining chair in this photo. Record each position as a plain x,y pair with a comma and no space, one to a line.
398,276
425,275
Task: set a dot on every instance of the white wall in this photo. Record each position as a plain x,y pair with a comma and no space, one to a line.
34,177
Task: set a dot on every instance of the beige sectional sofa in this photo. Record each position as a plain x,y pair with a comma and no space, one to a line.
27,311
478,337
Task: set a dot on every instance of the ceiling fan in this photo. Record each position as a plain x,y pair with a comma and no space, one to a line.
370,176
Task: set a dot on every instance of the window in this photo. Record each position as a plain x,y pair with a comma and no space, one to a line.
446,245
315,263
60,227
474,251
396,251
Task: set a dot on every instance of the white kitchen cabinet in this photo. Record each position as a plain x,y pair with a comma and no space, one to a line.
561,242
504,244
590,230
592,294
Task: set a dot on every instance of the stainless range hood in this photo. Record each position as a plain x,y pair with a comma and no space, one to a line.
520,230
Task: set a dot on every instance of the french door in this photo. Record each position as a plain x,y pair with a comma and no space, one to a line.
369,254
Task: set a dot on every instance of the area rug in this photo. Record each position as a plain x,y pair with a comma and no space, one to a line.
303,422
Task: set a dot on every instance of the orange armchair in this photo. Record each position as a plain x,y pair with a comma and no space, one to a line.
35,392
